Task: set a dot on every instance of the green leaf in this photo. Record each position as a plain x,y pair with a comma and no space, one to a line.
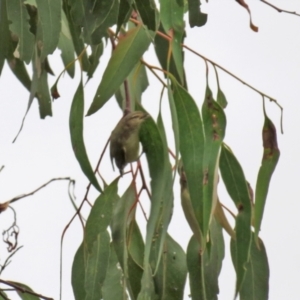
106,14
49,25
42,93
75,31
210,261
22,294
18,68
94,59
256,283
76,131
137,83
78,273
191,146
136,249
124,58
161,46
214,122
66,46
125,10
124,240
101,214
18,15
146,9
221,99
3,296
171,275
196,17
113,287
96,266
236,185
155,148
269,161
173,24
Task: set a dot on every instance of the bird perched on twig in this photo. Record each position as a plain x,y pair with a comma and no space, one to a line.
124,139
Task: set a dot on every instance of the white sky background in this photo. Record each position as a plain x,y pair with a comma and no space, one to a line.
268,60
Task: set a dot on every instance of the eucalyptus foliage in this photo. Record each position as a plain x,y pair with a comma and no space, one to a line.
114,261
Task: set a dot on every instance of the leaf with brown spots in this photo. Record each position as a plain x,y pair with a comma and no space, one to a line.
269,161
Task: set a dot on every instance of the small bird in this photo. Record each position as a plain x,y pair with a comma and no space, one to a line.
124,139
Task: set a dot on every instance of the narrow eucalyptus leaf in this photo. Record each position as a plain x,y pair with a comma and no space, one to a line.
78,273
96,266
269,161
127,53
76,131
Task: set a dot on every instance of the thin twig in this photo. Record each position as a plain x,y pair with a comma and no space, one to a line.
36,190
7,262
23,290
279,9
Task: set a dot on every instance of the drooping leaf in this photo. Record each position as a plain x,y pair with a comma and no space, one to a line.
256,283
269,161
66,46
94,58
75,31
161,46
101,214
245,5
76,131
214,122
221,99
49,26
122,214
18,16
156,152
210,261
191,146
3,296
18,68
78,273
236,185
136,248
171,275
96,266
196,17
125,10
94,17
147,8
113,287
124,58
173,24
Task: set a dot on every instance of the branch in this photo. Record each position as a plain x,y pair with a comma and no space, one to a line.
23,290
36,190
279,9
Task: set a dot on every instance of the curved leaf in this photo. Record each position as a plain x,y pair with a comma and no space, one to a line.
236,185
49,25
210,262
269,161
19,17
122,214
214,122
191,146
76,131
146,9
78,273
101,214
96,266
113,287
171,275
156,151
256,282
128,52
